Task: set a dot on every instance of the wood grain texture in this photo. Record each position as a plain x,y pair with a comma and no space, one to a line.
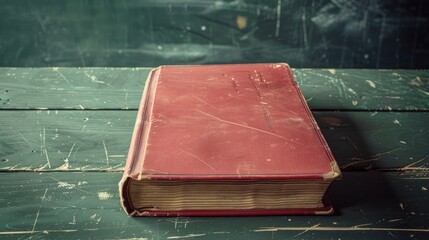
363,89
86,205
377,140
71,88
99,140
65,140
121,88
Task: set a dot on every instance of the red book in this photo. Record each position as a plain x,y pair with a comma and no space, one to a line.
226,140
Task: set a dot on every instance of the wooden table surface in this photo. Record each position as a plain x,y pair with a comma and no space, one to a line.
65,134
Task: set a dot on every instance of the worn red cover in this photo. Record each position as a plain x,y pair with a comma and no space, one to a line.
244,121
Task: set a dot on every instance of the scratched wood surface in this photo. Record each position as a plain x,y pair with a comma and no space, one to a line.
121,88
361,89
86,205
45,140
65,132
71,88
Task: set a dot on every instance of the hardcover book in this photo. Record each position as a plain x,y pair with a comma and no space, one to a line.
226,140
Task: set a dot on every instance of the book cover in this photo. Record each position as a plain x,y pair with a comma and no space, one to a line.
218,123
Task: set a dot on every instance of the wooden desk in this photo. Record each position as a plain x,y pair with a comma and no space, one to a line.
65,133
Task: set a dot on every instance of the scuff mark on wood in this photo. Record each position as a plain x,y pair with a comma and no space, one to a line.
306,230
46,231
275,229
371,83
105,152
35,220
55,69
395,220
44,199
187,236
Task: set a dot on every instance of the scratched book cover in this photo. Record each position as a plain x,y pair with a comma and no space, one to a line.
226,122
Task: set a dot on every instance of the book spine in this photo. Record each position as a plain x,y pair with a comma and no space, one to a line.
134,163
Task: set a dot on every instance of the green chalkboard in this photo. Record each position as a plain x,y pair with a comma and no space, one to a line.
132,33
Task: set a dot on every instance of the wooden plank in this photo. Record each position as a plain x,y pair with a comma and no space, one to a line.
71,88
86,205
99,140
364,89
377,140
65,140
121,88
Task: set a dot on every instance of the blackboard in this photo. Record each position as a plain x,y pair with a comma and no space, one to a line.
307,33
